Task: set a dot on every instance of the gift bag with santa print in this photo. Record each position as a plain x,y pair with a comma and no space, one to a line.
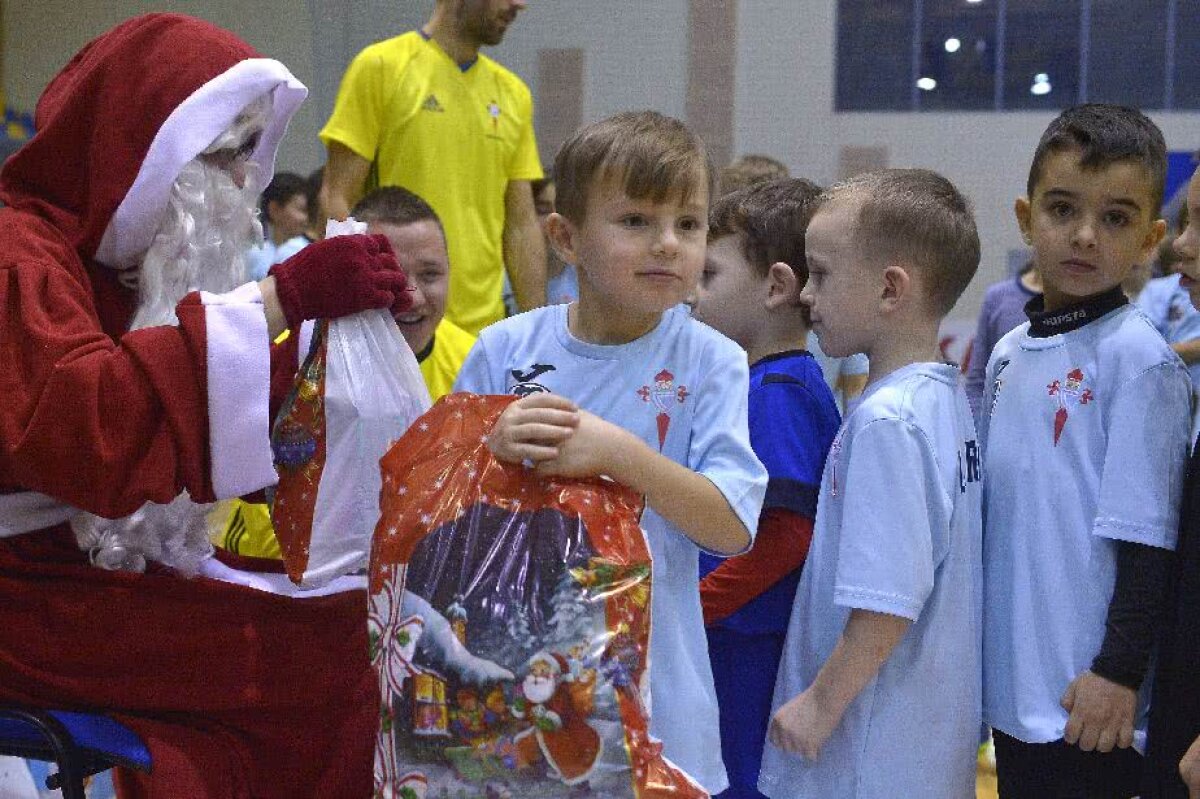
356,393
510,625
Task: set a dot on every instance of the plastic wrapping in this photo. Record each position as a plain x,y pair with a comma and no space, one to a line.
356,393
510,625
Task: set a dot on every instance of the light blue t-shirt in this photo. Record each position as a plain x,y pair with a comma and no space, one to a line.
1169,308
682,388
898,531
1085,440
260,259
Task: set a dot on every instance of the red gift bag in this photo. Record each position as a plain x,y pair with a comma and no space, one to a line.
510,625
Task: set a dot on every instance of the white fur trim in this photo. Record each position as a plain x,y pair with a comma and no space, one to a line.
279,583
239,377
27,511
190,128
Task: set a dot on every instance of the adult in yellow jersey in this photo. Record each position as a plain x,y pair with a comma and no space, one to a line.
428,112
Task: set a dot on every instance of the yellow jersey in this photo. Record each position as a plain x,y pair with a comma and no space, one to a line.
440,367
454,136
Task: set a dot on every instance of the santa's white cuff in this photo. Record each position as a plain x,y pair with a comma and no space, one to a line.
239,380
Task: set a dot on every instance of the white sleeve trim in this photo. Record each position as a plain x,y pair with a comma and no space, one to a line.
239,378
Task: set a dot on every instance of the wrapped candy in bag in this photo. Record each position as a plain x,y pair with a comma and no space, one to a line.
357,391
510,625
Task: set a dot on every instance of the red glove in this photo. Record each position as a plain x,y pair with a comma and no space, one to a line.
338,277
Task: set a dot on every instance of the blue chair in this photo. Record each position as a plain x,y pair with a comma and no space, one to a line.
82,744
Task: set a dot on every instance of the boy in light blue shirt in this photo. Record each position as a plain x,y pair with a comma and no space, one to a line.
1084,428
878,694
626,384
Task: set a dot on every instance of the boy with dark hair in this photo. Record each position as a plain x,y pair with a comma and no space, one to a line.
878,694
284,208
750,291
661,398
1085,432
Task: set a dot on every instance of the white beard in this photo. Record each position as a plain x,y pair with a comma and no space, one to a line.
201,246
538,690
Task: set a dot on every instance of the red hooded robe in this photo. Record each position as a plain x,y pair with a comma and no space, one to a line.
238,692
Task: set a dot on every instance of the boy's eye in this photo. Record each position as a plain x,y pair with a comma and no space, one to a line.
1116,218
690,225
1061,210
633,220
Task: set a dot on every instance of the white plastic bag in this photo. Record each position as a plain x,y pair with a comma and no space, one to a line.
373,390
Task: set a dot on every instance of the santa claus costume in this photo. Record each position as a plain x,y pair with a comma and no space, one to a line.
557,711
239,690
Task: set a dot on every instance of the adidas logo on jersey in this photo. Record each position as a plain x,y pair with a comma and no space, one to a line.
431,104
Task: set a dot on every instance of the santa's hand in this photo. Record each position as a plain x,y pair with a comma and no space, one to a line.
531,429
340,276
546,720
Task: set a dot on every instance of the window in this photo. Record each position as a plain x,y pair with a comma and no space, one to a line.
874,37
963,55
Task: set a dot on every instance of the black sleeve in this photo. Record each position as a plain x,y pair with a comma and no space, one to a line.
1133,613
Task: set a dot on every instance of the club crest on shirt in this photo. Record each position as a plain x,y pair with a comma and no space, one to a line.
493,110
663,395
1068,393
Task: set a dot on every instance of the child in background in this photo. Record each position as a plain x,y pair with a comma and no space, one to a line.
878,695
415,232
750,291
1173,749
1002,310
1084,426
642,392
748,170
285,218
562,282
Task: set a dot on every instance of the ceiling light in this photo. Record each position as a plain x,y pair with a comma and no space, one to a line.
926,84
952,45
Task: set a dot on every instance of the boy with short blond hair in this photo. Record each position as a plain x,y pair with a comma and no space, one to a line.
642,393
878,694
750,291
1085,426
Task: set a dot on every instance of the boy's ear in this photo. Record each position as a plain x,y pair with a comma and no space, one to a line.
897,286
561,233
1024,212
783,287
1154,237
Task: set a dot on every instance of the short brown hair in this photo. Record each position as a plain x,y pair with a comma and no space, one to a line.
749,170
654,157
393,205
771,219
918,217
